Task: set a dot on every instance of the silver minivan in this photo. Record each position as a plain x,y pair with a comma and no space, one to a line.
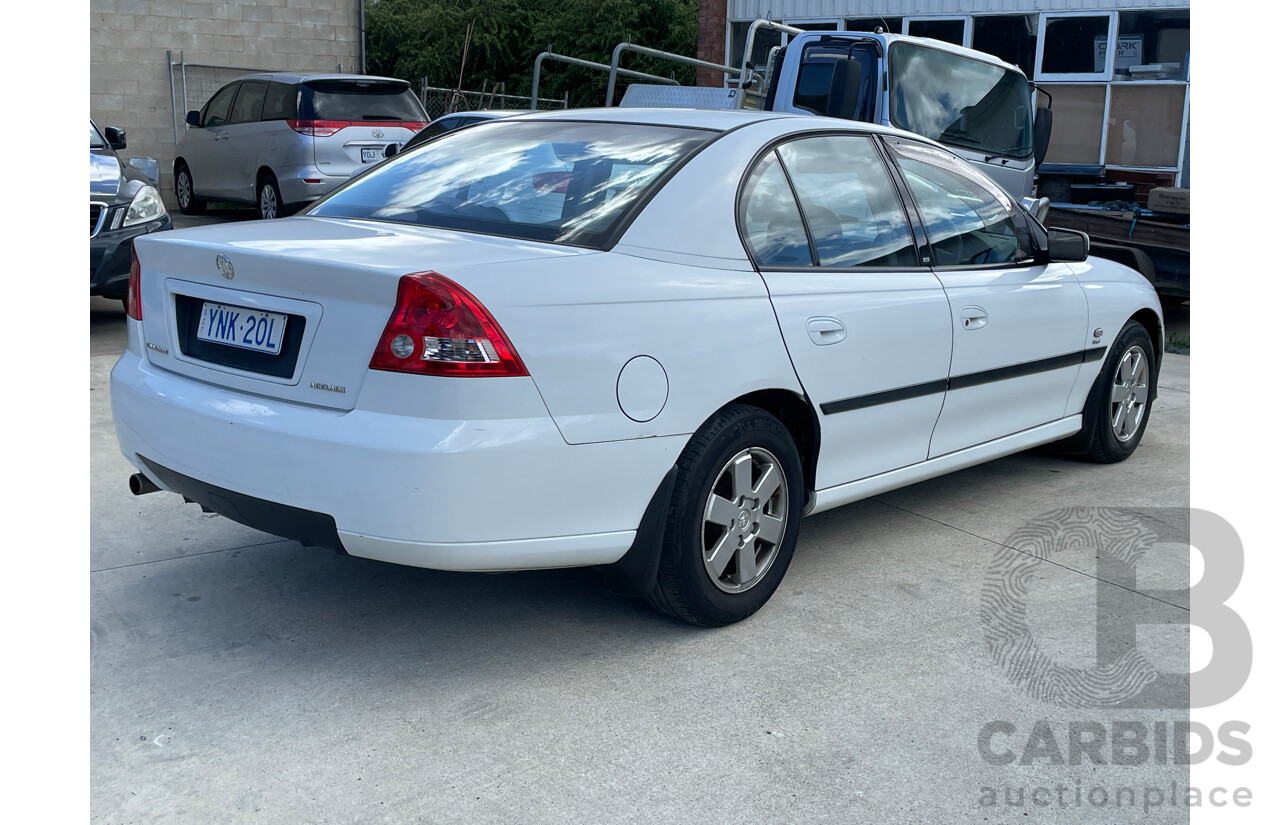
280,140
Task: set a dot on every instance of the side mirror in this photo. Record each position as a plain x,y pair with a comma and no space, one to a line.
115,137
193,118
1040,132
1067,246
391,151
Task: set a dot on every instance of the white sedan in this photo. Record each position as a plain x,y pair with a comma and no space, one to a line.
645,340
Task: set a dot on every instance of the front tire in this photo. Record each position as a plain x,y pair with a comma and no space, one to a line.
1120,402
184,190
270,205
734,519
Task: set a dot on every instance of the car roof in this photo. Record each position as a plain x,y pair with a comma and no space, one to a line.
718,119
303,77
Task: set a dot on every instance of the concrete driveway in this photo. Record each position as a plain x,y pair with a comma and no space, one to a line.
240,678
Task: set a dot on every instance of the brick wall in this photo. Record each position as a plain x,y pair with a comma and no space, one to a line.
129,71
711,30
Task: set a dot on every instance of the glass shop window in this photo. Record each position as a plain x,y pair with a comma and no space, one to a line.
1010,37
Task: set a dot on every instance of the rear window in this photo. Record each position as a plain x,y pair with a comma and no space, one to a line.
566,182
362,100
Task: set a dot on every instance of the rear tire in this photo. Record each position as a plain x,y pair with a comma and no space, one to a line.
734,519
270,205
185,191
1119,403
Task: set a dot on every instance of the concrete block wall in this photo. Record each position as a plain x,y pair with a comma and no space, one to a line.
129,70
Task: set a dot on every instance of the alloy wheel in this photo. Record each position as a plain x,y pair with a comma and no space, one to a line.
1129,392
267,206
744,520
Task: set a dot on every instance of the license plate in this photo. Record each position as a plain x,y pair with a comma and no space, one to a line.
240,327
370,155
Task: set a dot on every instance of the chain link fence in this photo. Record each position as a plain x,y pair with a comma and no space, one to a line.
439,101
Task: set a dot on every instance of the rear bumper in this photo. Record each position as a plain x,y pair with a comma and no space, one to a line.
478,495
295,188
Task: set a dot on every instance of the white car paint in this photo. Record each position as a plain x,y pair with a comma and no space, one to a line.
550,470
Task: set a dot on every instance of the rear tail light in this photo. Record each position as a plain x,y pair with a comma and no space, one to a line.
438,328
133,300
318,128
326,128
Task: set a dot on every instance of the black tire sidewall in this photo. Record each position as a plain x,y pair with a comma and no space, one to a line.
1106,447
193,204
746,427
269,182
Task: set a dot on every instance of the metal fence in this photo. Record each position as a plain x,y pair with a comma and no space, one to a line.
192,84
439,101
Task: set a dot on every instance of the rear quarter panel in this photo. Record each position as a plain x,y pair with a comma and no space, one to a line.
577,322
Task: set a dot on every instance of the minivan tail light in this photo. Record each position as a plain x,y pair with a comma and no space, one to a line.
133,299
327,128
318,128
438,328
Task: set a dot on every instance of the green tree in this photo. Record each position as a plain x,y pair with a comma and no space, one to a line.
412,39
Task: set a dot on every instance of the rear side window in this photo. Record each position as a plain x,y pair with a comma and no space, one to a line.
566,182
363,101
281,102
248,105
770,219
850,203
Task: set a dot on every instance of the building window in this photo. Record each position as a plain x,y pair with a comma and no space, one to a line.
948,31
1145,124
892,25
1010,37
1075,45
1078,112
1153,45
765,40
810,26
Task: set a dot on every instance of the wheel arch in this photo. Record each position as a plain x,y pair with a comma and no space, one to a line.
1150,321
636,572
801,420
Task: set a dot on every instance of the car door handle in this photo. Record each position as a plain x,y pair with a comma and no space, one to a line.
824,331
973,317
221,137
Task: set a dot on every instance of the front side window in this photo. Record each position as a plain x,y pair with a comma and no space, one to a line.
959,101
96,141
218,110
968,222
850,204
843,68
560,181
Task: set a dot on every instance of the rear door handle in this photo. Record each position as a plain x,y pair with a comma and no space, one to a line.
824,330
973,317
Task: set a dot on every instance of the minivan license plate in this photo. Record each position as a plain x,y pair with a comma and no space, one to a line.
368,155
240,327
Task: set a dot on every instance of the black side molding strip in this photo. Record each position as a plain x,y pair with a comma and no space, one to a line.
958,382
886,397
